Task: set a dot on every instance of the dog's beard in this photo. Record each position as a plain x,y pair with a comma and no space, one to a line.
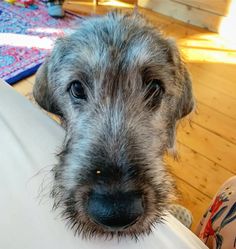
71,205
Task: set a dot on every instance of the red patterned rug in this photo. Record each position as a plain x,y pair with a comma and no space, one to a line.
27,36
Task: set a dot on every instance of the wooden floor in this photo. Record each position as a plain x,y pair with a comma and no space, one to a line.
207,147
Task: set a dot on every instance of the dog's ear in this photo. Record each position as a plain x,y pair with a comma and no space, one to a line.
186,101
43,92
184,106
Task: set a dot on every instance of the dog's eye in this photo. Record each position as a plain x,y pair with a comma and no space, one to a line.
154,89
77,90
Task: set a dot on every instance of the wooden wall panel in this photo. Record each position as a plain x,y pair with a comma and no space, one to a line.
219,7
205,14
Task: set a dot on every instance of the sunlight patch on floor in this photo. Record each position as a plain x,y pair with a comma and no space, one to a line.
115,3
209,47
43,30
29,41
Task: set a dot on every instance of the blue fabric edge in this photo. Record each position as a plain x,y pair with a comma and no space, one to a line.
23,74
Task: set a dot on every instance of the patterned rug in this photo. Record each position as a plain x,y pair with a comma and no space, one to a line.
26,37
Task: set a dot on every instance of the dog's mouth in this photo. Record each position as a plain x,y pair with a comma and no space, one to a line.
117,228
93,228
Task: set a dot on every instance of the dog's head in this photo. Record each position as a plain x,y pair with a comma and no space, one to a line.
120,87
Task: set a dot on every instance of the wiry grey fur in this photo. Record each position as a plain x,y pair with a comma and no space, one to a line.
115,130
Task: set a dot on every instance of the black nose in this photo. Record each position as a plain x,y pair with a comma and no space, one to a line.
118,210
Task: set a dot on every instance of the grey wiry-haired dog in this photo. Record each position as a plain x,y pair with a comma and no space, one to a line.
120,87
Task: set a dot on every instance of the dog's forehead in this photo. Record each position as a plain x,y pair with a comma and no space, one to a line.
118,40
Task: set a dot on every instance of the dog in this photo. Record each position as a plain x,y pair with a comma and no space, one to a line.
120,87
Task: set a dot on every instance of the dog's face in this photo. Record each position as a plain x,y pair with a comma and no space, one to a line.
120,87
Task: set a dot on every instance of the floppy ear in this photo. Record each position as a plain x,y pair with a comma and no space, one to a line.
43,92
185,105
185,101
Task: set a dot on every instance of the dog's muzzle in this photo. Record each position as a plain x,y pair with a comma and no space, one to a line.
115,211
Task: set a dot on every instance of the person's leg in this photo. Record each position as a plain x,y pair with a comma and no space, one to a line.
55,8
217,228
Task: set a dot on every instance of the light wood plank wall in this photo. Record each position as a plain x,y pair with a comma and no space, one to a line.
202,13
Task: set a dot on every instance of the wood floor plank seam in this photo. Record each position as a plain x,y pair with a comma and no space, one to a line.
206,157
187,183
199,101
216,90
214,132
178,157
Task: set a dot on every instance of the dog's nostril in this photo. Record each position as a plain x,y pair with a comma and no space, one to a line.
116,210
